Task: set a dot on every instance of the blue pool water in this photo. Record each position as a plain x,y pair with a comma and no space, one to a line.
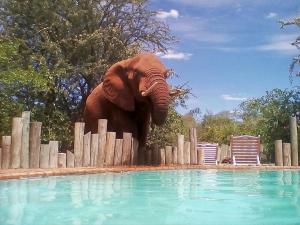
181,197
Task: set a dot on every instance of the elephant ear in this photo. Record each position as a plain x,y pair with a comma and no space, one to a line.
116,89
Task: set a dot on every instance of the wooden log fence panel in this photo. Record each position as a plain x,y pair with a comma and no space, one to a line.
200,156
87,149
110,148
278,153
118,152
187,152
102,129
287,154
126,148
34,144
53,154
193,150
62,160
6,144
94,149
78,143
175,153
44,156
180,149
16,142
142,155
162,156
294,140
155,155
134,151
148,157
71,159
169,156
25,140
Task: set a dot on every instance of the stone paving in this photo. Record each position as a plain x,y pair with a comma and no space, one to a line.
21,173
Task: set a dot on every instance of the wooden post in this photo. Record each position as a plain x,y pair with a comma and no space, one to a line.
187,152
200,156
175,155
6,143
86,149
286,154
180,149
169,156
126,148
78,143
118,152
35,144
134,151
0,158
70,159
62,160
94,149
141,155
53,154
102,129
110,148
155,155
193,151
219,154
148,156
44,156
16,142
278,153
294,140
25,140
162,156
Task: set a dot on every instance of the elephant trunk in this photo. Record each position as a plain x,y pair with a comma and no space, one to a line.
159,96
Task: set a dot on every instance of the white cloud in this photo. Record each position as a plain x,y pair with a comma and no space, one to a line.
227,97
164,14
271,15
280,43
175,55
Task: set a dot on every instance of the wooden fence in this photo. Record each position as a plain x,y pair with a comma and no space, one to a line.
23,149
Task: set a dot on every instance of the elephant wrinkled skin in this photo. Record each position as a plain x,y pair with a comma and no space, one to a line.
132,91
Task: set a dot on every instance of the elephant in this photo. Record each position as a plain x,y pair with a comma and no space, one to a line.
133,93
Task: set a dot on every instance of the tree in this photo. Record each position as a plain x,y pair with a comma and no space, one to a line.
67,46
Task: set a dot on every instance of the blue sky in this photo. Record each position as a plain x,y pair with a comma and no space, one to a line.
229,50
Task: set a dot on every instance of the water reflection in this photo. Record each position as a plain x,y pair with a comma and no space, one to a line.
149,197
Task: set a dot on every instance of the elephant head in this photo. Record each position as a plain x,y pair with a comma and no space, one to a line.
139,79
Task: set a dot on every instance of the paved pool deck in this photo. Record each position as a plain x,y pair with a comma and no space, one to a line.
6,174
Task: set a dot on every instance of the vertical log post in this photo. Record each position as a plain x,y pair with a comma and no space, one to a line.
155,154
148,157
34,144
94,149
118,152
62,160
180,149
162,156
110,148
219,154
70,159
200,156
142,155
193,151
102,129
44,156
175,153
278,153
6,143
187,152
169,156
25,140
53,154
294,140
16,142
78,143
126,148
286,154
134,151
0,158
87,149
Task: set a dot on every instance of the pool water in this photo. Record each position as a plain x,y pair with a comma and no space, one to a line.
180,197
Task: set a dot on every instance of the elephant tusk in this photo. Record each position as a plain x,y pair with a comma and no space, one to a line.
147,92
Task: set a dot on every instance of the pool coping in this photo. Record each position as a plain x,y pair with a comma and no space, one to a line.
6,174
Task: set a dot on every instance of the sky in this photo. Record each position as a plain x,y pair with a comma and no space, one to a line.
229,50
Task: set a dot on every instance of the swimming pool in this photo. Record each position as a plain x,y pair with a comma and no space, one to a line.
178,197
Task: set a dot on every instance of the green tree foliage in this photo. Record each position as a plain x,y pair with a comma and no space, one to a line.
59,50
269,116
